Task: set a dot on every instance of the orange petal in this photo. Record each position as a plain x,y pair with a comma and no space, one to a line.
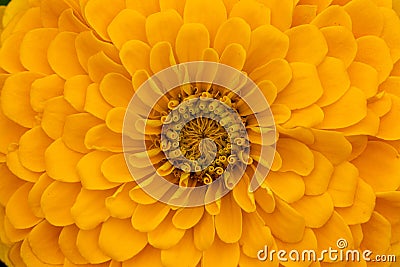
191,257
10,183
333,16
343,185
67,241
303,14
242,196
316,210
265,199
65,64
15,166
161,57
89,209
18,210
146,218
177,5
386,204
204,232
57,201
50,11
108,12
186,218
380,60
138,50
253,12
347,111
95,103
75,91
43,239
296,156
149,256
234,55
166,235
10,53
15,100
116,238
285,222
61,162
278,182
306,44
163,26
225,254
191,41
363,206
212,15
75,129
379,232
388,128
391,31
367,126
281,12
127,25
341,43
89,171
381,105
366,17
334,79
120,205
116,89
68,21
318,180
306,117
231,215
359,143
100,65
115,170
304,89
87,243
115,119
146,8
234,30
44,89
12,135
101,138
382,173
364,77
35,195
266,43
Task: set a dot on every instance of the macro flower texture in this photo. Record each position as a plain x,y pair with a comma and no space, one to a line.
329,69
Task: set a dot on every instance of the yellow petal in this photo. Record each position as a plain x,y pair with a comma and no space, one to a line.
116,89
35,194
87,243
191,41
366,17
115,119
12,135
296,156
242,196
191,257
253,12
149,256
234,30
75,129
57,201
69,22
391,32
89,209
67,242
234,55
61,162
32,146
43,239
204,232
359,143
10,53
288,186
15,101
225,254
115,170
343,184
34,49
252,223
364,77
386,205
363,206
99,22
177,5
316,210
161,57
379,232
334,79
15,166
333,16
53,119
306,44
100,65
265,199
332,145
266,43
367,126
285,222
44,89
388,129
138,50
381,105
341,43
116,238
75,91
89,171
381,173
163,26
318,180
306,117
127,25
10,183
212,15
50,11
95,103
281,12
231,215
298,133
303,14
166,235
304,89
269,91
186,218
18,210
119,204
146,8
277,71
10,233
380,60
391,85
146,218
101,138
65,64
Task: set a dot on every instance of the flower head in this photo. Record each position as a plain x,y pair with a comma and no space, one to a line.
330,71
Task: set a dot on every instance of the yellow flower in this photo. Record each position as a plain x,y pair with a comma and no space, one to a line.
330,71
